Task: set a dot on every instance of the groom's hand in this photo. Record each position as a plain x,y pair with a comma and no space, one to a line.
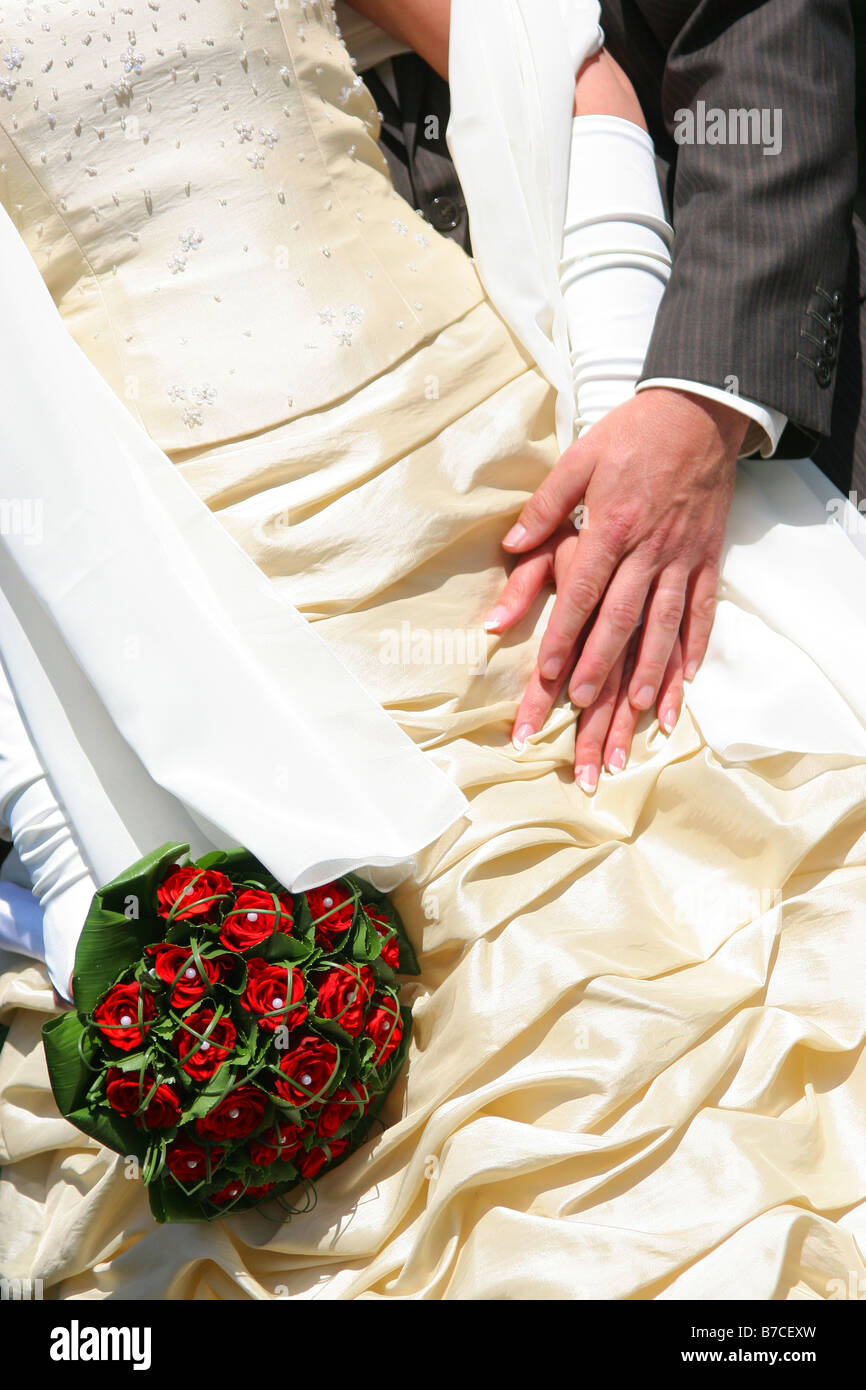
655,479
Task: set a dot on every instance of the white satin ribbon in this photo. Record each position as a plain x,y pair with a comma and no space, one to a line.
512,66
170,692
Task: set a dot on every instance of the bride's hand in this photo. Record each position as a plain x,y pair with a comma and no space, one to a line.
606,727
656,479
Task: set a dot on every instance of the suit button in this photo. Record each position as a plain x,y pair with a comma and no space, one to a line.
823,373
828,348
833,321
445,213
838,301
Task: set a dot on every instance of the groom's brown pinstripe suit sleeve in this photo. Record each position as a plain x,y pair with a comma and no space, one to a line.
762,241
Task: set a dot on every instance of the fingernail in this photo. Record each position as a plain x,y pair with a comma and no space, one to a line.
588,779
616,761
495,618
644,697
520,736
691,671
515,535
583,696
551,668
669,719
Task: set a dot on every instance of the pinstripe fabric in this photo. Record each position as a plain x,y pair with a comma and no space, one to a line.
843,456
414,144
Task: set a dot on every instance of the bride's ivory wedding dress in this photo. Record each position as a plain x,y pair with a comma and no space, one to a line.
637,1067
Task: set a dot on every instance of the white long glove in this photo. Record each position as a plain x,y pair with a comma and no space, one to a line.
48,923
616,260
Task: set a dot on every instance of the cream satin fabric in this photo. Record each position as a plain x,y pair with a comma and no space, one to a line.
637,1068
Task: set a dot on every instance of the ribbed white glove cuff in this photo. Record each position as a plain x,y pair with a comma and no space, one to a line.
616,260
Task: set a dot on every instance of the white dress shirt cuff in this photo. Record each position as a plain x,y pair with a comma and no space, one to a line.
765,429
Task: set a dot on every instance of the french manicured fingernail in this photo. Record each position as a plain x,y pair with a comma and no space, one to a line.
616,761
551,668
521,735
515,535
669,719
644,697
588,779
583,696
495,618
691,671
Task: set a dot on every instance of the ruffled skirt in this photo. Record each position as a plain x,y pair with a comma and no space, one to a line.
637,1064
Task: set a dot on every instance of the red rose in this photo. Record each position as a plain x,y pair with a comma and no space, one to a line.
124,1016
254,917
192,892
188,1162
127,1091
342,1106
176,965
272,993
390,946
280,1142
260,1190
235,1116
201,1059
235,1189
385,1026
336,909
313,1162
344,995
230,1193
309,1068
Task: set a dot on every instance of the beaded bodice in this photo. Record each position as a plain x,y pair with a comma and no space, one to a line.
200,185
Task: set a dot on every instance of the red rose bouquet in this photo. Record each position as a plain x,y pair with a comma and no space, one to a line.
235,1039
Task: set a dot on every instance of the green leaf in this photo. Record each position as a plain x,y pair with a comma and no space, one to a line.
168,1202
132,1061
302,929
238,864
383,904
141,879
70,1076
113,941
281,946
113,1130
72,1080
331,1028
109,945
365,944
210,1093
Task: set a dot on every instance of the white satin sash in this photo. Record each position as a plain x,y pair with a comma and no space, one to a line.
170,692
512,66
